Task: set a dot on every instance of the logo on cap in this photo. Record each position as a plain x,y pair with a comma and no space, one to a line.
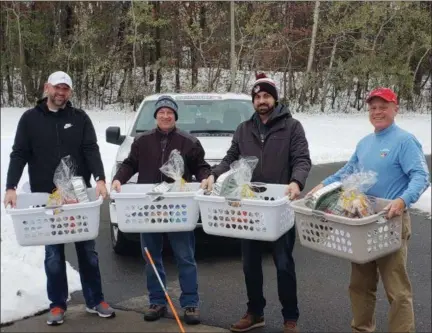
257,89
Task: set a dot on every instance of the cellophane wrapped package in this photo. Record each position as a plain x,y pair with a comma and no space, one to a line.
174,169
346,198
69,187
236,183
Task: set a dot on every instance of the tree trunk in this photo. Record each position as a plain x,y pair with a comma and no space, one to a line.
122,84
194,51
9,86
418,74
307,77
314,32
158,50
327,77
177,72
26,80
177,52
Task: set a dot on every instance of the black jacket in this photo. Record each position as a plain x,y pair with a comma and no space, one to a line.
151,150
44,137
280,145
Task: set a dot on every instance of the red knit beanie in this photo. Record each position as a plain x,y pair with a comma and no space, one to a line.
263,83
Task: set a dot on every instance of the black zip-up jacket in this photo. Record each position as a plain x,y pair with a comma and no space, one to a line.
44,137
151,150
280,146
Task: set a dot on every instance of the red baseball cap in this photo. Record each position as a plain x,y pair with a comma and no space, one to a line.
384,93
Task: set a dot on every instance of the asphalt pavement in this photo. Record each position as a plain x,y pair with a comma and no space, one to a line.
322,279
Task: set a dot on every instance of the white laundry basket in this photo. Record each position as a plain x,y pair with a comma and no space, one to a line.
358,239
35,224
266,218
138,211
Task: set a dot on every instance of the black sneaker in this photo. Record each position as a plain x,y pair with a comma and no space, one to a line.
155,312
191,315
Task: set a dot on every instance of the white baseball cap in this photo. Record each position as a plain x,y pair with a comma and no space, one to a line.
59,78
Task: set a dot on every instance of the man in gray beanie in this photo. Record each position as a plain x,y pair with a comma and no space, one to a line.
148,153
166,101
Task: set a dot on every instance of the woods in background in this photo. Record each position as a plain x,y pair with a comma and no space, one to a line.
326,54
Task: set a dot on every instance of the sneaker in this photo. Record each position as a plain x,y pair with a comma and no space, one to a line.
56,316
191,315
102,310
155,312
290,326
248,322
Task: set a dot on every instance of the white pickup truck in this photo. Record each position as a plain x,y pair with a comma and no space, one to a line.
211,117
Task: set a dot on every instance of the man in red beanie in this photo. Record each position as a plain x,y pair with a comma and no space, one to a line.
279,142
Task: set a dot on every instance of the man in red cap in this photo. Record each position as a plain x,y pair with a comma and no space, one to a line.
398,159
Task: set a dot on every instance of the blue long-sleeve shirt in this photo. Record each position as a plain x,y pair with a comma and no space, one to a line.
397,158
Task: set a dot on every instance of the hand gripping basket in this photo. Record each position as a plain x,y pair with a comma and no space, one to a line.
35,224
266,218
141,211
359,240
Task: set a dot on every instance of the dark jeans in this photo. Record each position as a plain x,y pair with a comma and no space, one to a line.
55,268
183,246
286,276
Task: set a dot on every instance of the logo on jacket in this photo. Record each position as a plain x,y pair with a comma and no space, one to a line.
384,152
67,126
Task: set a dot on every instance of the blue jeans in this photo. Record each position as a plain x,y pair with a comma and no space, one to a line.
286,275
183,246
55,268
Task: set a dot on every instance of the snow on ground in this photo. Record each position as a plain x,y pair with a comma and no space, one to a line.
331,138
23,279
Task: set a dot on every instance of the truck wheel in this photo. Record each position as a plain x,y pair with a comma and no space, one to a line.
120,244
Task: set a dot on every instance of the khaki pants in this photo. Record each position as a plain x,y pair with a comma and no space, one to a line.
393,271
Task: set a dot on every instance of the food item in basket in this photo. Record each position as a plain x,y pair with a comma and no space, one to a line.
346,198
63,179
354,204
54,199
160,189
70,188
353,200
323,197
80,189
235,183
174,169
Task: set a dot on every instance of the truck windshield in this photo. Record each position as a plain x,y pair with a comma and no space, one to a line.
200,116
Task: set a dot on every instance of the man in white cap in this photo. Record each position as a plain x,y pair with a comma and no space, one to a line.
46,133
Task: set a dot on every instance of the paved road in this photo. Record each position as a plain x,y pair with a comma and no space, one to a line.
322,280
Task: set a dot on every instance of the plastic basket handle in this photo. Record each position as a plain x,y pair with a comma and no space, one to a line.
319,215
233,202
382,218
258,187
154,193
53,210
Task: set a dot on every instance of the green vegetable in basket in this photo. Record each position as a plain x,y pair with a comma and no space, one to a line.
329,203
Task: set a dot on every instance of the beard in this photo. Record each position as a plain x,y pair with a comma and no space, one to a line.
264,109
57,100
